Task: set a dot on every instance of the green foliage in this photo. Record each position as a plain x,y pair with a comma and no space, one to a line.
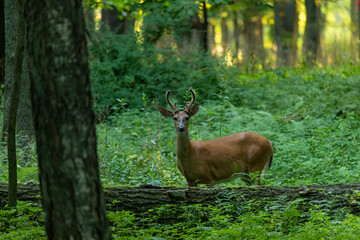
123,68
25,221
311,117
283,221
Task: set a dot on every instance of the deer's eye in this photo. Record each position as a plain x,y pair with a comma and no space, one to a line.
187,118
175,118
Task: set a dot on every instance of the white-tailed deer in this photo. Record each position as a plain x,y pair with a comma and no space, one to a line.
219,160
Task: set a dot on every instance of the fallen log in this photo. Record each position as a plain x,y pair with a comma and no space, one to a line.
140,199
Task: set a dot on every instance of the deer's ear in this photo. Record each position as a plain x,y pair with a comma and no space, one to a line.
165,112
194,109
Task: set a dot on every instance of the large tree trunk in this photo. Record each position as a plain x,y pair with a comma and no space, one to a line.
71,191
312,32
286,31
24,121
140,199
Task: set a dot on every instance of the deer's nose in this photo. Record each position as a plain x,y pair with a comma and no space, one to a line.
181,128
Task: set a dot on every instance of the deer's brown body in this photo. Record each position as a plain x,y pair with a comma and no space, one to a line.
218,160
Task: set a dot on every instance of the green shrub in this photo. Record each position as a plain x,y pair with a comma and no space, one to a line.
123,68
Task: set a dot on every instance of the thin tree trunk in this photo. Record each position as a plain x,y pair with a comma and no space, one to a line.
354,30
71,191
2,50
224,35
236,34
358,25
312,32
14,103
24,123
204,29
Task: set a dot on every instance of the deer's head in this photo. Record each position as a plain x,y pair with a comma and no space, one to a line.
181,118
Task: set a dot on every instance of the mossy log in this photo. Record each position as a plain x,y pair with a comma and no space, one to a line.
140,199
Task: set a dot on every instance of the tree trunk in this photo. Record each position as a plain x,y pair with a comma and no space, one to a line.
224,35
71,191
111,18
358,25
204,29
140,199
236,34
354,31
24,121
254,52
286,18
2,50
14,102
312,32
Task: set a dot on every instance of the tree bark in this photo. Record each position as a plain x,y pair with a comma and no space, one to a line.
71,191
14,103
140,199
24,121
312,32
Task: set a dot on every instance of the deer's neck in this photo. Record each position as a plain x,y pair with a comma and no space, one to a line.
183,146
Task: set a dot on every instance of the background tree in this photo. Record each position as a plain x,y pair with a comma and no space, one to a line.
24,122
354,30
2,49
71,191
14,102
286,32
312,32
119,19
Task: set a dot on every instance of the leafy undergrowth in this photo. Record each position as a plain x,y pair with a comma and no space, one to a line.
286,221
312,118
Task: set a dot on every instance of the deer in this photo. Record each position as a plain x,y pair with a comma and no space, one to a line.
219,160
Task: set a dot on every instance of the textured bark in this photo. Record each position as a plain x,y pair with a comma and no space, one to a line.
140,199
14,102
286,31
71,191
312,32
24,119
